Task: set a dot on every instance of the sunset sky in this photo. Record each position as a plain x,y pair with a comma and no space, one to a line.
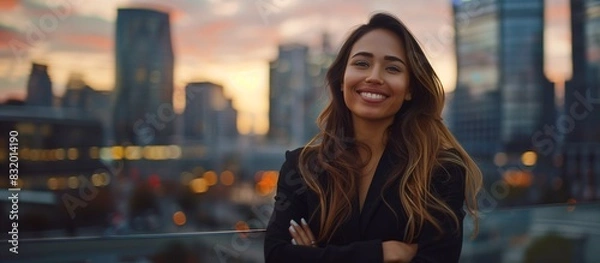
225,41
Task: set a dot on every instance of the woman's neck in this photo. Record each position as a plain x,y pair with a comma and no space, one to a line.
371,133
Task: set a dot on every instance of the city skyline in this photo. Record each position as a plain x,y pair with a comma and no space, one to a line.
242,69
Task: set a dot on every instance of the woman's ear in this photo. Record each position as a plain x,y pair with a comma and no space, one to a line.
408,96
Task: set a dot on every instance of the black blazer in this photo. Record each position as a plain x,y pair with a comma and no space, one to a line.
359,238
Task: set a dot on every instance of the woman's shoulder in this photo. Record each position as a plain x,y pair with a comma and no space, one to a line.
292,160
290,176
293,155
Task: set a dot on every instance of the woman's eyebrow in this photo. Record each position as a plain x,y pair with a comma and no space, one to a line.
387,57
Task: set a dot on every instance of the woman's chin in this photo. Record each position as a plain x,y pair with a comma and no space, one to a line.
373,117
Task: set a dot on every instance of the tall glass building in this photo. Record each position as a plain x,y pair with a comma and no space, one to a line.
502,97
298,92
580,121
289,86
477,96
592,36
143,109
526,93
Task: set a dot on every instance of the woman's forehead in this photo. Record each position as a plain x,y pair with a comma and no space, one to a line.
378,43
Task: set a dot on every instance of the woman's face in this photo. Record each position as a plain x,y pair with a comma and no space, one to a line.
376,79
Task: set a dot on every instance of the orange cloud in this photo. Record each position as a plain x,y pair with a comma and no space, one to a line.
216,28
96,43
6,5
202,41
6,35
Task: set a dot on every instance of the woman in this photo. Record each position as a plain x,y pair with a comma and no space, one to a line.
385,180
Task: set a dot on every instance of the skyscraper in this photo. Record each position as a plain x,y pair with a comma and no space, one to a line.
143,110
77,94
289,86
526,93
477,100
502,97
592,38
298,91
39,87
580,123
578,54
593,122
208,114
227,121
319,62
592,34
81,97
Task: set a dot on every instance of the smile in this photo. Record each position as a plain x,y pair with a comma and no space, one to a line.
370,96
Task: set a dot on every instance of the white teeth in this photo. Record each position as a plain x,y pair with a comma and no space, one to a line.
373,96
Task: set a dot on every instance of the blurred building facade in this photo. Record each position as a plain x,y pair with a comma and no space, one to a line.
580,122
319,62
143,97
477,97
81,96
77,94
39,87
527,97
297,92
58,157
502,97
92,103
447,115
289,84
208,114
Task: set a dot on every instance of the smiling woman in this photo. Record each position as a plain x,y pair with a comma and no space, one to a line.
377,58
384,180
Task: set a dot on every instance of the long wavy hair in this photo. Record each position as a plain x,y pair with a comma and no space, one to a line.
331,165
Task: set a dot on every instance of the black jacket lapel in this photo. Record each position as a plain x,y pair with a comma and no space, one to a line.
373,199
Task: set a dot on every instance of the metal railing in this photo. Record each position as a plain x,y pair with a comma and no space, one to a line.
545,233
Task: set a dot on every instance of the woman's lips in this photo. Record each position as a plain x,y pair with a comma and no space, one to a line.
372,96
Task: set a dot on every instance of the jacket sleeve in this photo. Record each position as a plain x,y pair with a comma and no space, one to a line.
449,185
290,203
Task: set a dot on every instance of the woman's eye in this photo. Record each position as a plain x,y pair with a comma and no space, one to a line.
394,69
361,63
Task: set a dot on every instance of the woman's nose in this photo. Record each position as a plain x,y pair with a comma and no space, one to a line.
374,76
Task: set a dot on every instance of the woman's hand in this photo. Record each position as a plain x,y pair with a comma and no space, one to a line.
301,234
398,252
